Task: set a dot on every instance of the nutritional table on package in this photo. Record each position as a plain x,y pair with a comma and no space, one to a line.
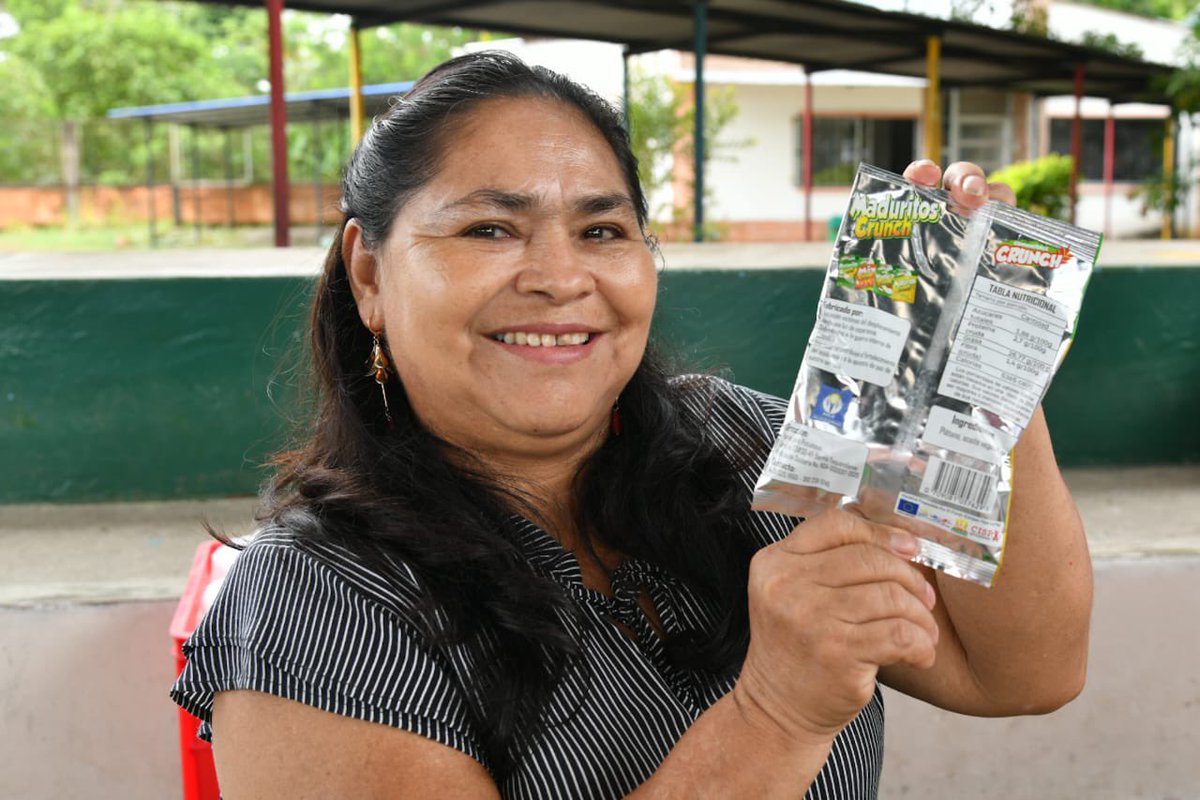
1005,351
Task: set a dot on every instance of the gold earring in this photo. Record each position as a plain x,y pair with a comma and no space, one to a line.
379,371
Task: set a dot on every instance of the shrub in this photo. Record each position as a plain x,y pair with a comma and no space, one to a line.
1041,185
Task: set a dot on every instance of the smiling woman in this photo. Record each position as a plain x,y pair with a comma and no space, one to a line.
513,557
536,346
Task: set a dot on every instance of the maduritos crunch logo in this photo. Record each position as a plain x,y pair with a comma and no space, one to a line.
1021,253
885,216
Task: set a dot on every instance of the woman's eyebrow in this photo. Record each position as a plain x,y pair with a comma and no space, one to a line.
495,198
523,201
600,203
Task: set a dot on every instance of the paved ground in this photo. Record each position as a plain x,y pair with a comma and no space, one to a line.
96,585
124,551
200,262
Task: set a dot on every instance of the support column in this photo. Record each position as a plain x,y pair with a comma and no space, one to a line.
1192,209
175,173
196,183
933,99
1110,127
1169,176
356,84
700,46
150,212
1076,141
247,156
230,206
318,216
70,169
807,144
278,122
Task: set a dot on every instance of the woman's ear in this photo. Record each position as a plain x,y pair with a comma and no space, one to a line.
362,269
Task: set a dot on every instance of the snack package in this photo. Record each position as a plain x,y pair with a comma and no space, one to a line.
936,337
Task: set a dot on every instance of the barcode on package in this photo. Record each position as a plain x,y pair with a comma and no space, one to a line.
960,485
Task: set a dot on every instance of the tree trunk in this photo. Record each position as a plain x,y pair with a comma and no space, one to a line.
70,169
175,161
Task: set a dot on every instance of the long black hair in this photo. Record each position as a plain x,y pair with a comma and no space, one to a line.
661,491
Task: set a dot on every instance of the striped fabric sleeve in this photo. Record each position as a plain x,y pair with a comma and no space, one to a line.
749,417
287,624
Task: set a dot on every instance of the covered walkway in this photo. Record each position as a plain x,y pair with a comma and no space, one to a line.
319,108
818,34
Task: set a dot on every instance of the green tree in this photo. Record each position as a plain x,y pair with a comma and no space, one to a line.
1167,190
655,128
91,60
720,110
1183,86
72,61
1110,42
27,152
404,52
1166,9
662,128
90,57
31,11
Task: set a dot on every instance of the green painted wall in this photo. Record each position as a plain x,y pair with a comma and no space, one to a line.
138,389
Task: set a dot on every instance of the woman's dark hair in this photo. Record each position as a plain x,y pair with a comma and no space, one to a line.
403,148
661,491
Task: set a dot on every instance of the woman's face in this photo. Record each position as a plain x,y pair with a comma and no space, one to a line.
515,289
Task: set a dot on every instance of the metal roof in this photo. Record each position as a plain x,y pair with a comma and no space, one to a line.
820,34
244,112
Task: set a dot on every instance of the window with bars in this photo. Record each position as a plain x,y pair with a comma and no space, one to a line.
840,143
1137,147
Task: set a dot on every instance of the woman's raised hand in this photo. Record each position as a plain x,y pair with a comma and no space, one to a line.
829,605
967,183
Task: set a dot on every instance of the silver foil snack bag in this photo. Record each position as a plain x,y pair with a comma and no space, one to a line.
937,335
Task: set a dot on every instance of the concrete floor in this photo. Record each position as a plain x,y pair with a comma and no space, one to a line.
105,552
1133,734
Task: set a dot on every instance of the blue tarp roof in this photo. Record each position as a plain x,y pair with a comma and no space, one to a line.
245,112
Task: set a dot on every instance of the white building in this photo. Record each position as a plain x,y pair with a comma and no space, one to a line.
877,118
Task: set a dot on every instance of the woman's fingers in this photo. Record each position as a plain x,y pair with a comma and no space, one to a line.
837,528
1002,192
924,172
895,641
845,570
884,600
856,565
967,183
829,605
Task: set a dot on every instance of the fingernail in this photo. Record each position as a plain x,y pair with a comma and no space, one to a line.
930,595
974,185
903,543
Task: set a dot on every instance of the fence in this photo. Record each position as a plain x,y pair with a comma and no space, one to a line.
122,170
184,204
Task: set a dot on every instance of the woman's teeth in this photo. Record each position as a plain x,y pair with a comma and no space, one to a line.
543,339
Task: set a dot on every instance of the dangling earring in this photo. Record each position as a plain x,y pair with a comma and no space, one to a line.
614,422
379,371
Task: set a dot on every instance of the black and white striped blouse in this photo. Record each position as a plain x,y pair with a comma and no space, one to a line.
309,621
